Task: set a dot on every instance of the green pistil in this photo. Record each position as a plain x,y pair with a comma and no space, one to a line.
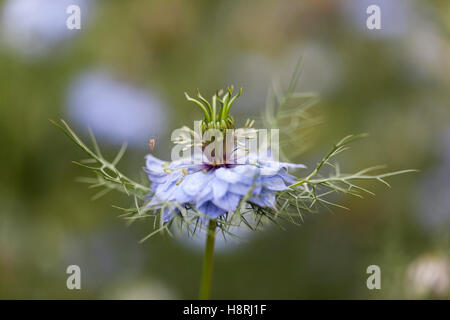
215,117
214,103
205,111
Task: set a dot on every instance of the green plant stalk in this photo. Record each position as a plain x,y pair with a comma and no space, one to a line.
205,286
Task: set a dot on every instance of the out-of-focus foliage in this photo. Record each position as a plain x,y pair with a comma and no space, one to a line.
392,83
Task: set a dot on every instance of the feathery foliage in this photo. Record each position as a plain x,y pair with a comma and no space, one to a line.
307,195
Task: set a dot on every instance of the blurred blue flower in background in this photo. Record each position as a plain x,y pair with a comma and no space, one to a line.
35,27
116,110
396,16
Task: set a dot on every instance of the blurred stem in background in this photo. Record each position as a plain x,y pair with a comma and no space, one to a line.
205,286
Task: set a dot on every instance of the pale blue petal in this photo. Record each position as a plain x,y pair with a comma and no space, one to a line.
246,171
239,189
288,165
169,213
152,161
220,188
180,196
193,183
266,199
275,183
211,210
268,171
227,175
228,202
206,194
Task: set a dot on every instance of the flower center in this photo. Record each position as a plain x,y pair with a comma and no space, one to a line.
214,166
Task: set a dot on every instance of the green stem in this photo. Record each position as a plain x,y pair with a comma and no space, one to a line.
205,287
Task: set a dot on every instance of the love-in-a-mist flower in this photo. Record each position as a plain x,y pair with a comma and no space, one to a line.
213,185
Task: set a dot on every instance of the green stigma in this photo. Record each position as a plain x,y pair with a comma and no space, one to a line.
217,113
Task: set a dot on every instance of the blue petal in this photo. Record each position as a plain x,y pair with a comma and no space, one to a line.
220,188
288,165
290,179
246,171
227,175
154,164
275,183
266,199
211,210
170,182
180,196
228,202
168,213
239,188
206,194
193,183
268,171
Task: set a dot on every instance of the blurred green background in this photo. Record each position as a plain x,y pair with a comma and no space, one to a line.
124,74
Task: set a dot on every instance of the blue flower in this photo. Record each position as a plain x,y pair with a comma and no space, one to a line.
116,110
215,190
37,27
